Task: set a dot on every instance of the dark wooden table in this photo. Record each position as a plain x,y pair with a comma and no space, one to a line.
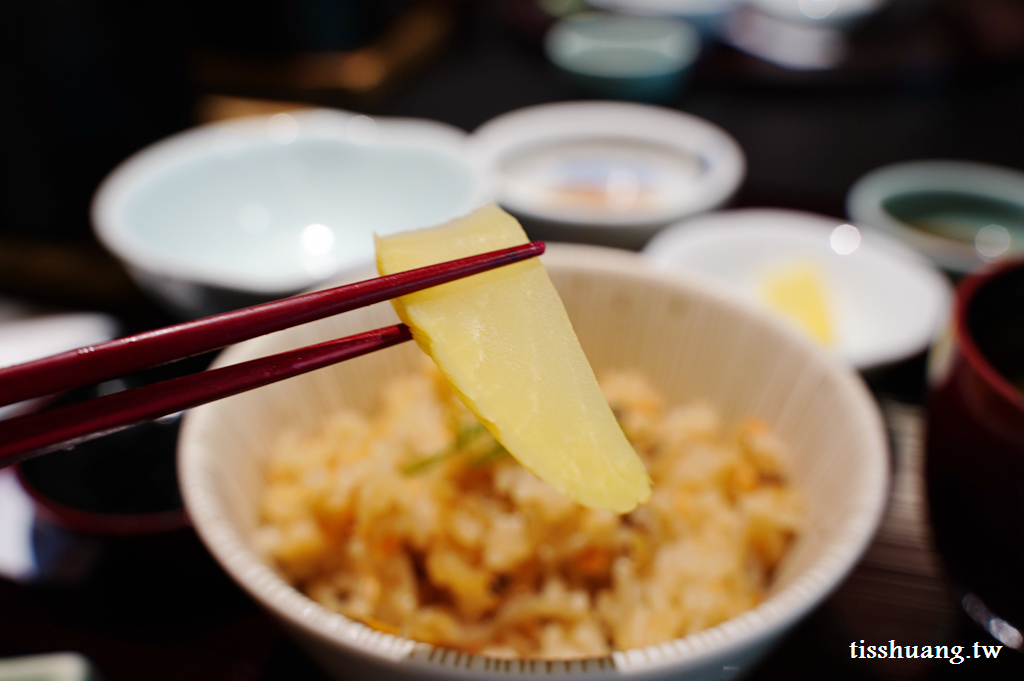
807,139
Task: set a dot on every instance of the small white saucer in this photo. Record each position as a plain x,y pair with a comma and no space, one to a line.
607,172
886,302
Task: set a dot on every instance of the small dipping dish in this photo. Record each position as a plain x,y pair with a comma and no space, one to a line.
869,299
960,214
624,57
610,173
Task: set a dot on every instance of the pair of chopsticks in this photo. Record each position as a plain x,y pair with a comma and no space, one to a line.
27,436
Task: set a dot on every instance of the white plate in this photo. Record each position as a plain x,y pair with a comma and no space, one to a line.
886,302
273,204
607,165
984,241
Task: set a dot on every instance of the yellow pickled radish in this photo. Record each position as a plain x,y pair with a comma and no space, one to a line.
504,342
797,292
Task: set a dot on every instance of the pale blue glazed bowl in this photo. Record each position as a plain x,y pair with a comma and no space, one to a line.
230,214
637,58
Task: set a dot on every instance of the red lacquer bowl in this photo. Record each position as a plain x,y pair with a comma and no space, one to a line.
975,447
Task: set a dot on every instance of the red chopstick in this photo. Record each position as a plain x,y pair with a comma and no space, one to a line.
104,361
35,434
28,436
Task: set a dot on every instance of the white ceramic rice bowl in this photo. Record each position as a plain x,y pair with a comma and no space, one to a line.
691,340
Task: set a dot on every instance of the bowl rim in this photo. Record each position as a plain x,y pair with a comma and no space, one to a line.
149,163
747,630
966,292
864,203
723,161
747,225
99,523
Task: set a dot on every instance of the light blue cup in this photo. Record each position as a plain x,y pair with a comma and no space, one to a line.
615,56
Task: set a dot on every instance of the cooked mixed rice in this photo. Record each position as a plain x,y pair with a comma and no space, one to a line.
415,521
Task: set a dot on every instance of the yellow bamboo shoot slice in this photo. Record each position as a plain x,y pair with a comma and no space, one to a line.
504,342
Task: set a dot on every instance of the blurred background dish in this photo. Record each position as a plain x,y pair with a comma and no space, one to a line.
93,527
798,35
866,297
50,667
707,16
233,213
612,173
639,58
975,448
837,13
25,338
960,214
796,46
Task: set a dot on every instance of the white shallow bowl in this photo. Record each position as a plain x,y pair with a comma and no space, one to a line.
893,197
691,340
270,205
886,303
605,172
